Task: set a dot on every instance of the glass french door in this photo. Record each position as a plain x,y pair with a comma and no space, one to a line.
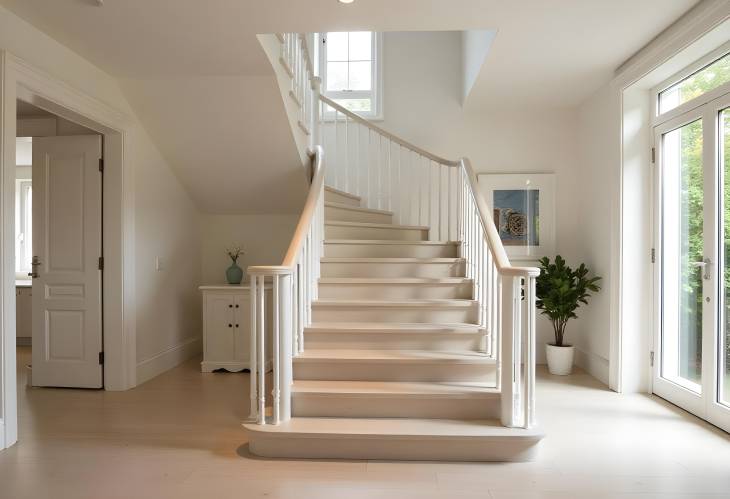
691,365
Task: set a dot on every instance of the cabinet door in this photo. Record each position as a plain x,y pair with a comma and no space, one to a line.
219,327
23,313
242,326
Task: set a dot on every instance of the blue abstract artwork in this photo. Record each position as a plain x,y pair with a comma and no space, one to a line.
517,216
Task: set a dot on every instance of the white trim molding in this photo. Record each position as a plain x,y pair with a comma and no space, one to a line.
167,359
22,81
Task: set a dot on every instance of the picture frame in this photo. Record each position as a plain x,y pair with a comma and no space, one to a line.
523,207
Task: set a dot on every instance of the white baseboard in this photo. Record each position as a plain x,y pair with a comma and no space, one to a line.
2,434
167,359
230,366
593,364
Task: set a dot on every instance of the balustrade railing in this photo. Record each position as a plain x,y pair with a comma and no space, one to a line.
421,189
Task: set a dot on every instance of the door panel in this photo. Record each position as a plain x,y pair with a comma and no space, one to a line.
682,255
693,278
67,320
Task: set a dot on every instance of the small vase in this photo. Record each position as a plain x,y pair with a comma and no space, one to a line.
234,274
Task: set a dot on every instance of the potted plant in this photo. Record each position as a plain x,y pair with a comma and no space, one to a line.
560,291
234,273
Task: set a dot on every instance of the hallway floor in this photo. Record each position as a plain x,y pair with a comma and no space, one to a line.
179,436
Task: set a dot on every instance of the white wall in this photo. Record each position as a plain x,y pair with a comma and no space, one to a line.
598,133
264,237
166,222
423,90
475,44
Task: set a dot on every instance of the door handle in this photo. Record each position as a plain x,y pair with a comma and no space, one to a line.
705,266
34,264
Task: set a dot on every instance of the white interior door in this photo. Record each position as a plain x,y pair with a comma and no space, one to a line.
693,273
67,218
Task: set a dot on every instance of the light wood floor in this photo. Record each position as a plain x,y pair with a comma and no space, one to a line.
179,436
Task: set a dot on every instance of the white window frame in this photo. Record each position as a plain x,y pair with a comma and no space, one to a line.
23,227
689,70
376,94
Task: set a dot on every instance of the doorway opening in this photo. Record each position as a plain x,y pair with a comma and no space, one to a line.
58,250
691,365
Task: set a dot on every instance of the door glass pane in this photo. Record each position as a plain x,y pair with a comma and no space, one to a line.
724,354
682,254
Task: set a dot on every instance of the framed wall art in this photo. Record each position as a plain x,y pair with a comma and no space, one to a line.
523,207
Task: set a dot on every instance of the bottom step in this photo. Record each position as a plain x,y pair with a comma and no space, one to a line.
396,439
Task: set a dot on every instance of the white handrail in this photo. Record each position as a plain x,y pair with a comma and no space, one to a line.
294,289
372,126
305,219
495,242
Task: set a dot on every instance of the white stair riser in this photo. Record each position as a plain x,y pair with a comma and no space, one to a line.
377,370
387,291
395,314
388,448
334,197
390,250
345,215
441,342
355,232
385,269
399,406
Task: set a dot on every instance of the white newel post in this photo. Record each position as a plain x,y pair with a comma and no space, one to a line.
286,326
253,352
511,334
530,351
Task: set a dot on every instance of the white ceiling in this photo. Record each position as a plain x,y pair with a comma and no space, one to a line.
570,47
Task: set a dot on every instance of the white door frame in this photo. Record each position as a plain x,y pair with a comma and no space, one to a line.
19,80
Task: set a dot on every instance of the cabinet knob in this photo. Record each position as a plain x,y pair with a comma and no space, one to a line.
236,305
230,306
230,325
236,325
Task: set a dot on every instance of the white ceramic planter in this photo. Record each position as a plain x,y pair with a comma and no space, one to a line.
560,359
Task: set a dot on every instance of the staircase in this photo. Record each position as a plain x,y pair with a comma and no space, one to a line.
400,330
394,364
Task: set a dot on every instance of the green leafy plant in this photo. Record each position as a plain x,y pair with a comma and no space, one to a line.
561,290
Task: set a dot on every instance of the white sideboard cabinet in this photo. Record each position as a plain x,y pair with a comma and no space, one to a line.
227,327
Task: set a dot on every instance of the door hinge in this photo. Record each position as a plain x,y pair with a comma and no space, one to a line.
101,358
651,358
101,164
101,263
653,155
653,255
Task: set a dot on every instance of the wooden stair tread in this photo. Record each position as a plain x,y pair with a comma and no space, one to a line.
402,428
415,303
394,388
387,327
341,193
391,241
395,280
348,259
374,355
375,225
343,206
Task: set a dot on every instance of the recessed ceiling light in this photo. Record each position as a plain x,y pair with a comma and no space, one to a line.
345,1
